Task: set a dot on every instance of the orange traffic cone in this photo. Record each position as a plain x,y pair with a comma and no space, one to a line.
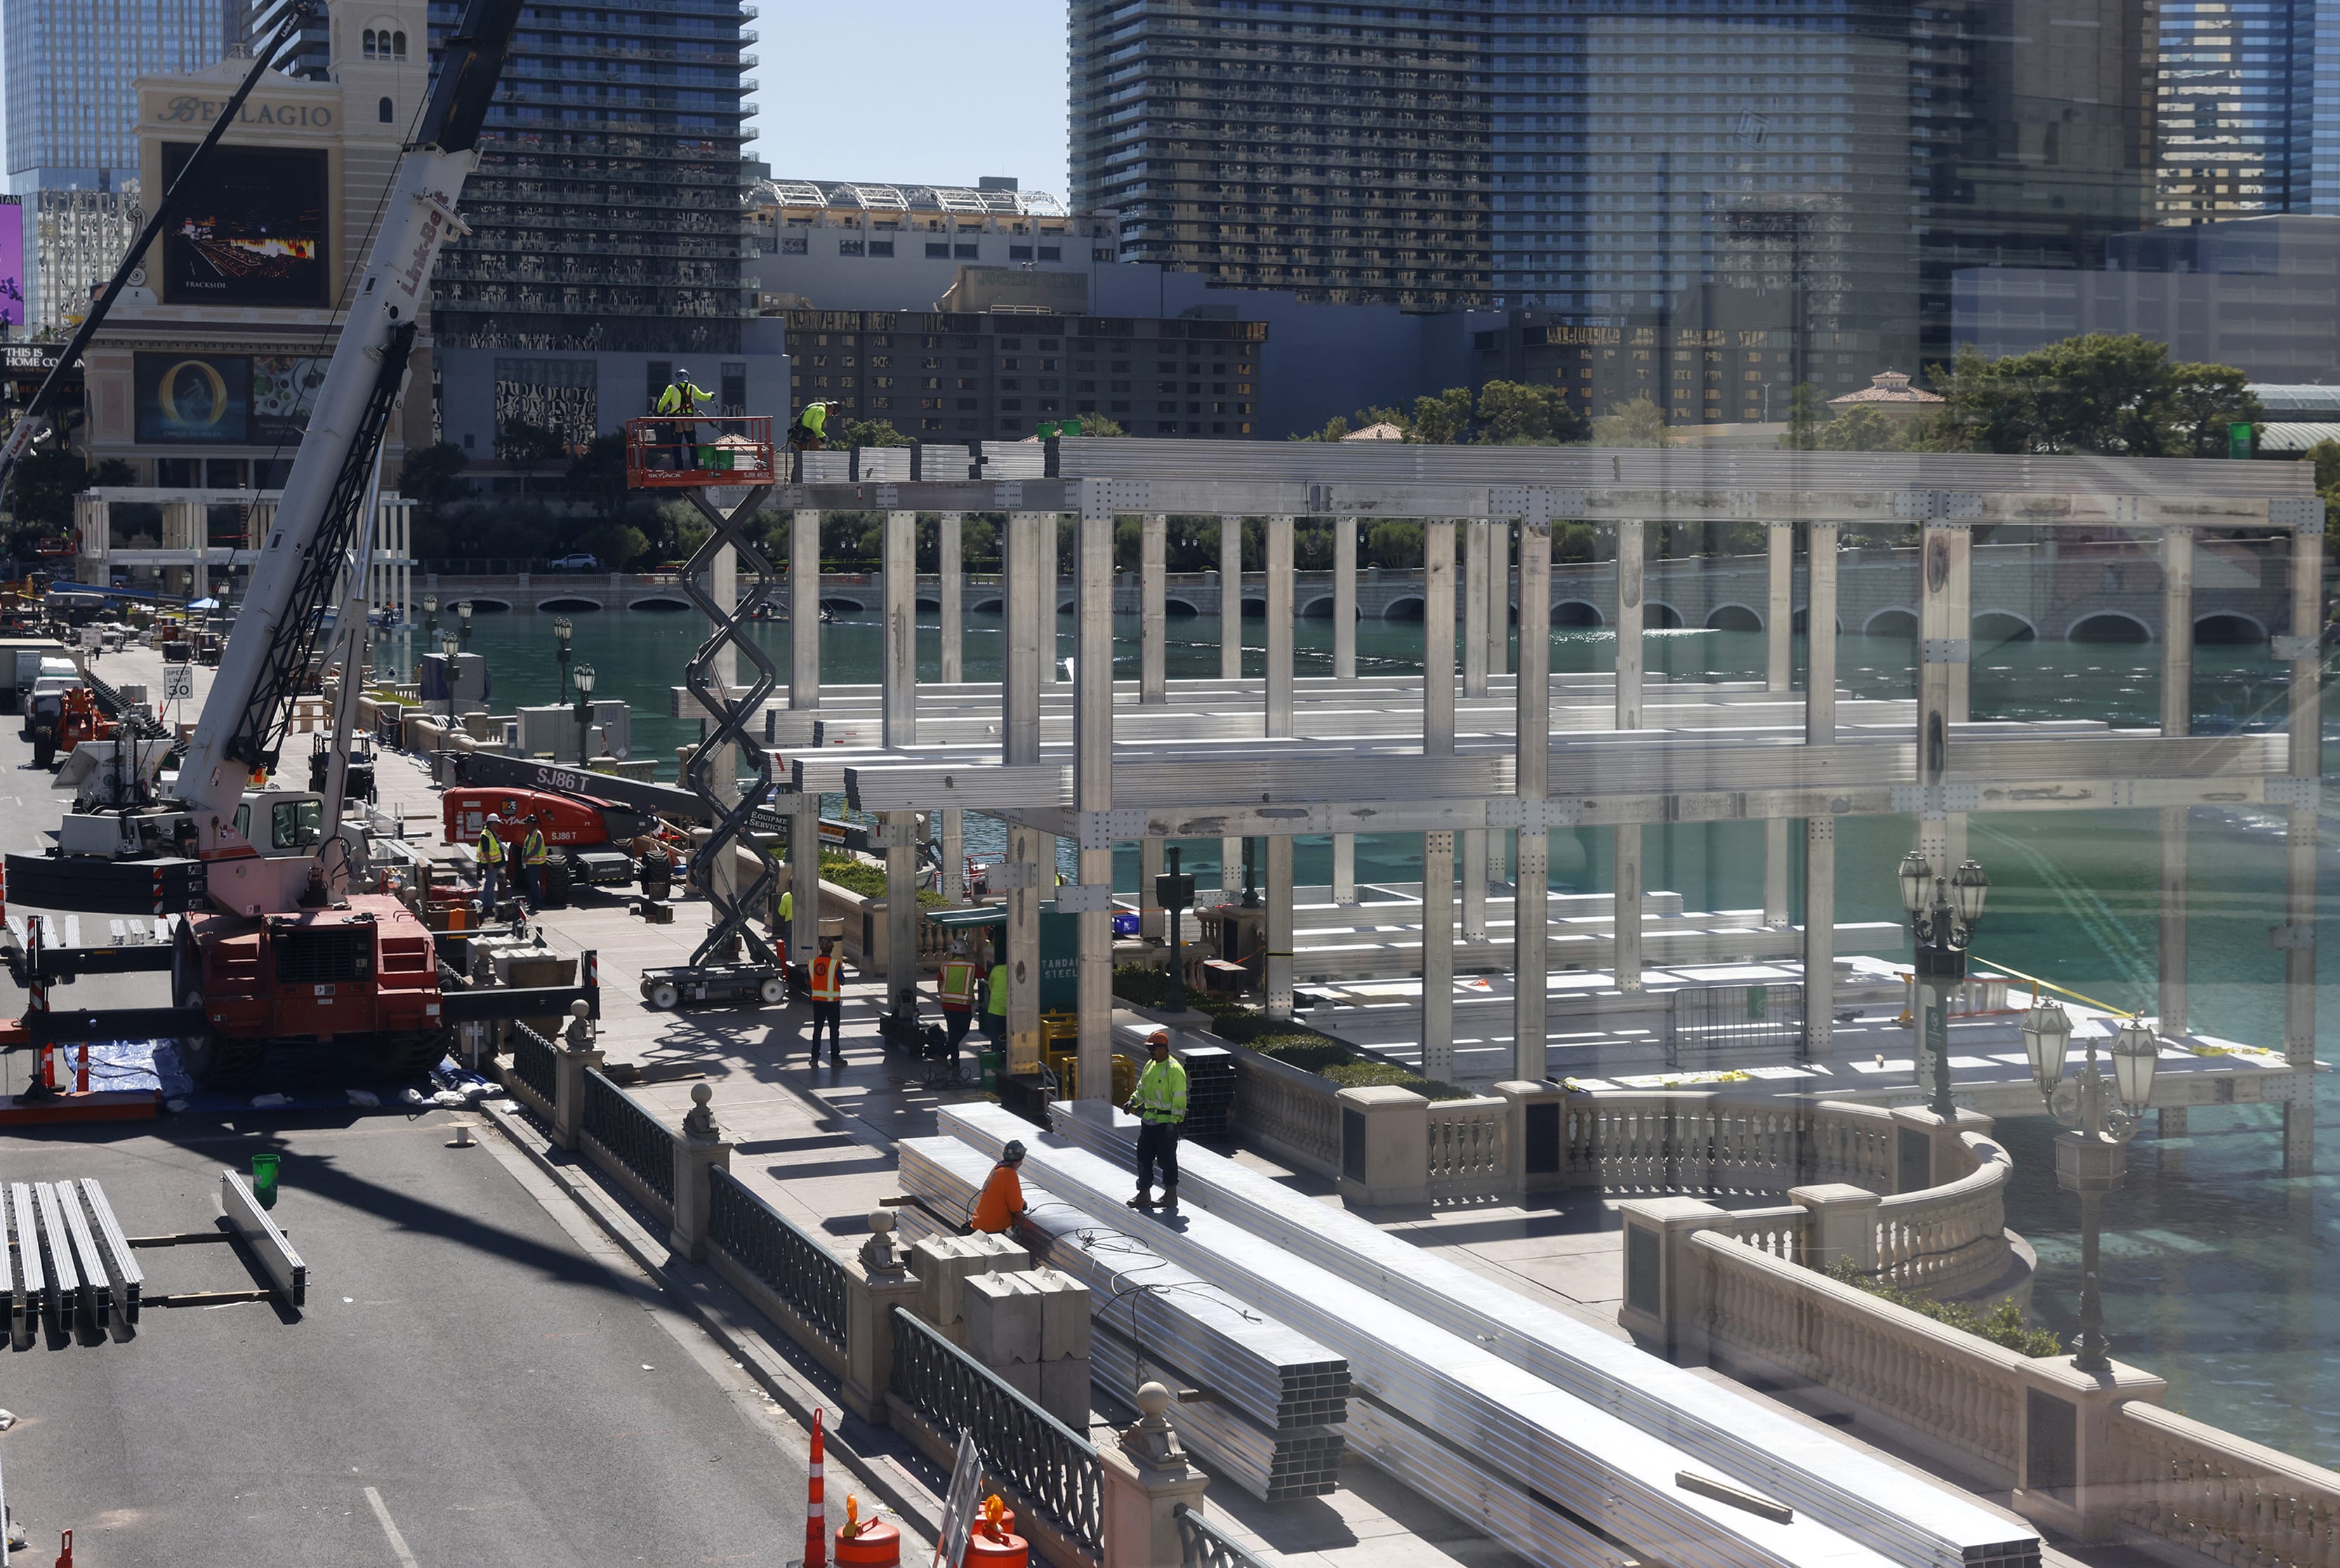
874,1544
815,1509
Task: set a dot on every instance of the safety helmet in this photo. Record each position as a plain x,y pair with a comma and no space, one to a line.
494,820
1013,1152
1160,1036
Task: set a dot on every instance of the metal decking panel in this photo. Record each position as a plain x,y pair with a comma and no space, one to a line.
122,1264
65,1279
32,1278
283,1266
12,1288
96,1283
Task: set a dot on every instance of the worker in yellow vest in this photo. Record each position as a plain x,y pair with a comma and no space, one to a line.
532,856
955,990
995,1005
1160,1104
492,859
828,1002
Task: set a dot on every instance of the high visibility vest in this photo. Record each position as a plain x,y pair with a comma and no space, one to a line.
957,985
670,401
827,985
492,848
788,906
531,849
1162,1092
998,1003
815,418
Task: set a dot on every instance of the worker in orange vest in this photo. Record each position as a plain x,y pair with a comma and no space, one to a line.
1001,1203
955,990
828,1002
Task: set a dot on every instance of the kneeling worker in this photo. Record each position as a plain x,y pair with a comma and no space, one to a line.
1001,1203
1160,1103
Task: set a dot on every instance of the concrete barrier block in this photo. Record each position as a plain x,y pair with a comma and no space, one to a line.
1002,1319
1066,1308
1064,1390
940,1262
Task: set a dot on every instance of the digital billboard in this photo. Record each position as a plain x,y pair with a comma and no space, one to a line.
11,260
194,400
254,232
283,388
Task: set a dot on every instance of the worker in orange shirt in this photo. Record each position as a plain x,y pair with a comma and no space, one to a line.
1001,1203
828,1002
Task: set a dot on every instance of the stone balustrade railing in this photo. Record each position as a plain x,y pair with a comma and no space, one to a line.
1286,1112
1950,1241
2202,1491
1466,1146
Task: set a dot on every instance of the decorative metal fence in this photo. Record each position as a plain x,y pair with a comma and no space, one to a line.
1710,1025
634,1137
1199,1544
1053,1470
791,1265
532,1057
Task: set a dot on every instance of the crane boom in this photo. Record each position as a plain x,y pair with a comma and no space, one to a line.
244,719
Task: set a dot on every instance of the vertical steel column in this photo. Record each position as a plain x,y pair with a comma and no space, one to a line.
1279,926
1052,569
1780,606
1153,609
1344,599
901,830
1942,646
1438,637
1092,788
1630,546
2176,719
1028,882
1279,629
804,692
954,851
1627,904
1775,871
952,595
2304,647
1231,598
1478,594
1531,772
1498,613
1344,868
1820,935
1474,884
1438,957
899,546
1820,636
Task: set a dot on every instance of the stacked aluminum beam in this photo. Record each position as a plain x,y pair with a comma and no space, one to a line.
1275,1392
1456,1406
66,1267
1910,1520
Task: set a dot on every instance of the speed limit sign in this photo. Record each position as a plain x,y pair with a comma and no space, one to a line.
178,682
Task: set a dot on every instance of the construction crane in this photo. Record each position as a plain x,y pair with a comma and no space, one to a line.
274,944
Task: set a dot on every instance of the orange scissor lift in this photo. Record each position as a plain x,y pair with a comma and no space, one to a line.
693,452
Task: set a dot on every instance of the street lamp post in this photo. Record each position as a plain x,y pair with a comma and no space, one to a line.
463,611
431,617
562,630
2093,1159
449,647
584,714
1943,913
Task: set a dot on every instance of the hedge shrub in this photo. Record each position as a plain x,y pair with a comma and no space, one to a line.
2002,1325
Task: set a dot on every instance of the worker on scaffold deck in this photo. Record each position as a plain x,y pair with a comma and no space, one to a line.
810,432
1160,1103
675,441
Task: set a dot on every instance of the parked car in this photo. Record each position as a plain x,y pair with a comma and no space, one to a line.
576,562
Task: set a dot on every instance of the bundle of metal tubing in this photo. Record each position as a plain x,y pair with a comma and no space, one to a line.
1884,1507
1607,1483
1274,1392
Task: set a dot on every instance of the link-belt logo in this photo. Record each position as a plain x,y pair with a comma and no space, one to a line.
419,263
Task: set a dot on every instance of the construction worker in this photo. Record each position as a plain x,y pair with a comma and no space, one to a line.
492,859
680,397
994,1004
955,990
532,852
1001,1203
810,432
828,1002
1160,1103
672,446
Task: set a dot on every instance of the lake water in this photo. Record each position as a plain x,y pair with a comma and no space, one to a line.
2219,1274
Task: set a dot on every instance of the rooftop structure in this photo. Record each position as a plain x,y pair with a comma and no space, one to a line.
1890,394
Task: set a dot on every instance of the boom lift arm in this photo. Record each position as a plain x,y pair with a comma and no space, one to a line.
242,725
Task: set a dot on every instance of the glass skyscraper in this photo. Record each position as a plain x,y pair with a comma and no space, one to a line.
73,119
606,213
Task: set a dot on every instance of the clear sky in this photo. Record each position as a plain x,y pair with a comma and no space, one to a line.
911,92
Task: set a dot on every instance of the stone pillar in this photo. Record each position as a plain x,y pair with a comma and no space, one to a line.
1665,1279
1819,936
951,594
1438,956
1779,606
1629,545
1533,1131
1344,600
1384,1146
1231,598
901,831
1278,956
2073,1478
899,673
1148,1483
1843,1224
569,1067
1820,636
1279,628
1152,610
876,1282
1478,594
1928,1150
1093,794
1531,955
2304,651
701,1149
1626,906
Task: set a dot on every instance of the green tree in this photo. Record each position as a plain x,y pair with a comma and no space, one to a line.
518,441
1639,423
1393,542
1095,424
597,476
619,547
431,477
2326,456
2202,402
867,433
1807,412
1515,413
47,479
1861,428
1442,419
2118,396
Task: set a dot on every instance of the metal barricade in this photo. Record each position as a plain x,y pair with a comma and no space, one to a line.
1737,1025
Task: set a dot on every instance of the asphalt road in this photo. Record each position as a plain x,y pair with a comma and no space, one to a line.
480,1376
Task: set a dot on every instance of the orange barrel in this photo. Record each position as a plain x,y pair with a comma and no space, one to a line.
1007,1551
877,1546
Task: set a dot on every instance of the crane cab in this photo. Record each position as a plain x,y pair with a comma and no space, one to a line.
282,821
